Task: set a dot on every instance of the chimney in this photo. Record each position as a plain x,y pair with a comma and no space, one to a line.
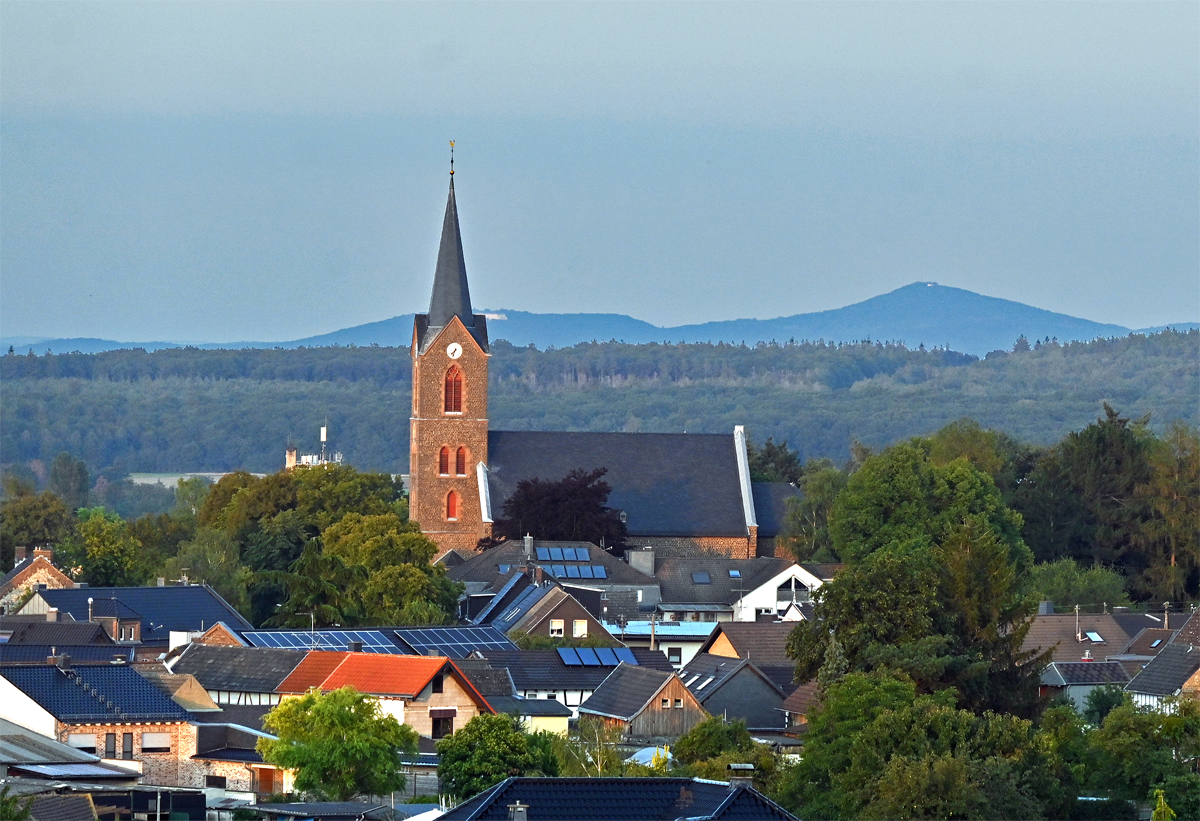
118,658
741,775
641,560
528,548
52,614
46,552
354,646
1046,608
539,575
289,459
90,608
162,581
64,662
518,811
19,554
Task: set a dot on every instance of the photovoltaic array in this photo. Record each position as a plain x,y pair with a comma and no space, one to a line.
596,656
373,641
455,642
563,554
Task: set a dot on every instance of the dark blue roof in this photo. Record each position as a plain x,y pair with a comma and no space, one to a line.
101,693
770,506
38,653
163,609
619,799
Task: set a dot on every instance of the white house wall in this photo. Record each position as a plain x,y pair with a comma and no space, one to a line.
763,597
21,709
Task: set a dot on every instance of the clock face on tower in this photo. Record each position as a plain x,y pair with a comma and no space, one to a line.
454,350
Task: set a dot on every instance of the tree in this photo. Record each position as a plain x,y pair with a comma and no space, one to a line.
711,738
1170,536
104,552
573,508
592,750
29,519
773,463
320,589
212,558
1065,582
1101,701
806,519
14,806
69,480
487,750
340,744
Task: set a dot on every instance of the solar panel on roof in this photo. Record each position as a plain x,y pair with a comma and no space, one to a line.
543,554
607,657
373,641
556,554
626,655
558,570
569,656
600,571
588,656
581,554
585,571
572,571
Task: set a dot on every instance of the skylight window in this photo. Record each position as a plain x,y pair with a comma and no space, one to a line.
707,682
1156,642
1095,637
735,574
701,577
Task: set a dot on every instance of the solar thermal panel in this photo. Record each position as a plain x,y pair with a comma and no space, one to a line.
626,655
581,554
556,554
569,656
585,572
607,657
558,570
543,554
600,571
588,656
572,571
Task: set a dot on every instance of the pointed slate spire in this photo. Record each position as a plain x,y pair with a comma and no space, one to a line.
451,296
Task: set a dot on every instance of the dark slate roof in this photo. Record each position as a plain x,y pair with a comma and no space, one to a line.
761,642
512,705
1189,631
451,295
62,808
1057,632
705,674
625,692
1134,623
323,810
95,693
677,580
1148,642
1071,673
78,653
668,484
545,670
55,632
238,669
488,680
163,609
1166,673
485,567
825,571
770,504
619,799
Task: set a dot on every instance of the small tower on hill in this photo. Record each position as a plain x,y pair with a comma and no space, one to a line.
449,425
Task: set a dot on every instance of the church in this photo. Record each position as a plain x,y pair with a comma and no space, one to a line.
679,493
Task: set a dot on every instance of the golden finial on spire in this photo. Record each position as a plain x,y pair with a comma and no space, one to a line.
452,158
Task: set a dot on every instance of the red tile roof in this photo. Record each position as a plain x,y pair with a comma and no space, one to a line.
374,673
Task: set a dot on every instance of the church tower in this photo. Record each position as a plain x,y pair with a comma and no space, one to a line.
449,427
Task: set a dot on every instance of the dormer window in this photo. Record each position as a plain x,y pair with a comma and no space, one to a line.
454,385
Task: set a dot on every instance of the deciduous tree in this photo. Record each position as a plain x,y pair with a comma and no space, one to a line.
487,750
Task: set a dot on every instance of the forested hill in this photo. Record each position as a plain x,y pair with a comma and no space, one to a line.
193,410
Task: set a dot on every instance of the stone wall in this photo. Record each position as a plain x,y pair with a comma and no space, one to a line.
168,769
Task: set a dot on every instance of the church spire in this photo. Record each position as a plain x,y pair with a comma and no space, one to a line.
451,296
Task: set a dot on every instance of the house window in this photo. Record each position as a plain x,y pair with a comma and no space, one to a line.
460,462
444,462
110,745
127,746
666,703
83,741
156,742
678,704
701,577
556,627
214,782
675,655
439,684
452,506
552,696
579,628
443,727
453,391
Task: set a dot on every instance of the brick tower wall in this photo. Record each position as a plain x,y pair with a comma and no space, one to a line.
432,428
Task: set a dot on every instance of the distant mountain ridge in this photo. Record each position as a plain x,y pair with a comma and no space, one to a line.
923,313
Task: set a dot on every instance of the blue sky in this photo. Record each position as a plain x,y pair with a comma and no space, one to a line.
266,171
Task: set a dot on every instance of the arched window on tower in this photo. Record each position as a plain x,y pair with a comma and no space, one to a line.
451,506
454,390
460,462
444,462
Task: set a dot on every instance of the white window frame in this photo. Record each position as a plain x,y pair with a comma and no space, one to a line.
579,628
557,626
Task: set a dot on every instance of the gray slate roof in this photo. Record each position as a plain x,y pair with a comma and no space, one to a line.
1189,631
705,674
678,585
770,505
54,633
451,295
238,669
1070,673
62,808
668,484
485,567
625,691
1166,673
545,670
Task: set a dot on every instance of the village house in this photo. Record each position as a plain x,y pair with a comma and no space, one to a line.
1077,679
764,643
722,589
428,693
644,703
680,641
30,572
496,685
736,690
1074,636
